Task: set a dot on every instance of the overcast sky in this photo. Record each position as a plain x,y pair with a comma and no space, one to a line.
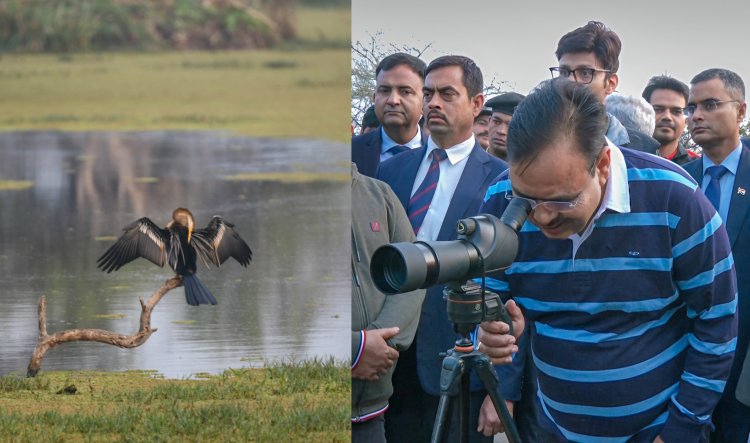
516,41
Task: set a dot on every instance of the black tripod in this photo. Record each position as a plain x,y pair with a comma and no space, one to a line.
454,378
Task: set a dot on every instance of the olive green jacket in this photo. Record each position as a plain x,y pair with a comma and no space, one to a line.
377,219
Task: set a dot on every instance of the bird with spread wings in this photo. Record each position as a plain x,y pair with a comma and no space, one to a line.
179,245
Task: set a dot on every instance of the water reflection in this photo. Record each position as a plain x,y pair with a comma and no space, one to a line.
293,300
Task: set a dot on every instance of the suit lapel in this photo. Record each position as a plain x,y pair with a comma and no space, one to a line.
373,147
695,169
409,166
740,201
471,181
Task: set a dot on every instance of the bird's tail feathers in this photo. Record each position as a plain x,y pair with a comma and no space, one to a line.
196,293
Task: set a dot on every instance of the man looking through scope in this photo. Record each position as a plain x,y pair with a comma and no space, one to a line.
625,276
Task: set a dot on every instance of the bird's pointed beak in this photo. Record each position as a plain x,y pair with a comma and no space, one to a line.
190,230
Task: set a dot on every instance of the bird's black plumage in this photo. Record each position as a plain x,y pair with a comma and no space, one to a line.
179,246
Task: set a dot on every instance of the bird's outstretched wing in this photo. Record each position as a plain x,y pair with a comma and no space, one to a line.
142,238
219,241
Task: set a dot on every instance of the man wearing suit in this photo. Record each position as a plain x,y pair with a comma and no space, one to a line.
398,106
438,184
715,109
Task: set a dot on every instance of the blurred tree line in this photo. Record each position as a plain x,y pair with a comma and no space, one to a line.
83,25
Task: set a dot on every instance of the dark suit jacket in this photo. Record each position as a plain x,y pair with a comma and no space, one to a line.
366,151
738,229
435,332
641,141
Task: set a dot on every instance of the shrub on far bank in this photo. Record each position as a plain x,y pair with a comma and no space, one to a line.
83,25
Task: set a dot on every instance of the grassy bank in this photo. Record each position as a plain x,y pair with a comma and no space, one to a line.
300,90
289,402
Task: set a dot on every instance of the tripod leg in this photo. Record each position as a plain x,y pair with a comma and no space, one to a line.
438,429
464,416
489,379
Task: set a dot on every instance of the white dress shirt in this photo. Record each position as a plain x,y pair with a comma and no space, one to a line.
450,173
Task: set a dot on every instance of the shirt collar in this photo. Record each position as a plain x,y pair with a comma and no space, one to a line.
387,142
616,191
731,162
456,153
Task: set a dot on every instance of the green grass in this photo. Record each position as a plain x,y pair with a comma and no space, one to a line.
299,91
289,402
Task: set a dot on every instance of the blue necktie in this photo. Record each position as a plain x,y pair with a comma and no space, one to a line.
420,202
713,190
398,149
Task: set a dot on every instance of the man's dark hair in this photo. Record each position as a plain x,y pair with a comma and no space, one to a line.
401,58
665,82
557,110
370,120
593,37
732,82
472,75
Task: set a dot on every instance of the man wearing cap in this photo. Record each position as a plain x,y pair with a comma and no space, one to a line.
481,127
502,111
399,79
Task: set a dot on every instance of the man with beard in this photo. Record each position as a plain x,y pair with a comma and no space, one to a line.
502,112
668,96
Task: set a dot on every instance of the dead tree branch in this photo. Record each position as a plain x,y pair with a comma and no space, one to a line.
47,342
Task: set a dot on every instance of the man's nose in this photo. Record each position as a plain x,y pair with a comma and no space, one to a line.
544,215
394,98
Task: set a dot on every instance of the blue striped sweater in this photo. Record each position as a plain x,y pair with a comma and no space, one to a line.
635,334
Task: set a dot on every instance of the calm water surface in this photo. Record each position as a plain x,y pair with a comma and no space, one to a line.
293,301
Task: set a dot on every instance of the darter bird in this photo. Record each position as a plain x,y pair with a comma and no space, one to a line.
179,246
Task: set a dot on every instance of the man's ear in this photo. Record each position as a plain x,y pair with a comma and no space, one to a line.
477,103
603,164
611,83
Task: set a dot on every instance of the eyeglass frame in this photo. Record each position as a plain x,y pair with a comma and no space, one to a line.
713,104
558,69
555,205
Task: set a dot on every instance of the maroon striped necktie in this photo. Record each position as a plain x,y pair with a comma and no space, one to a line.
420,202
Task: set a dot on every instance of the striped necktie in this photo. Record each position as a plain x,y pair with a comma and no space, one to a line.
713,190
420,202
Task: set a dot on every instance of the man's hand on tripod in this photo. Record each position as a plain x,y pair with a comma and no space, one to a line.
489,422
494,340
377,357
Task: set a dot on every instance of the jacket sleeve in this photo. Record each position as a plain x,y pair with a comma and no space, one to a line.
400,310
704,272
358,344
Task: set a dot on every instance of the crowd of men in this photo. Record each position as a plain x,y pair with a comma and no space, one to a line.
629,292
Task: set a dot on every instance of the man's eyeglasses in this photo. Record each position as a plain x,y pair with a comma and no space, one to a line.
675,111
551,205
580,75
709,105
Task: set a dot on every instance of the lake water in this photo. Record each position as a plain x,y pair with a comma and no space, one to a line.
289,199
